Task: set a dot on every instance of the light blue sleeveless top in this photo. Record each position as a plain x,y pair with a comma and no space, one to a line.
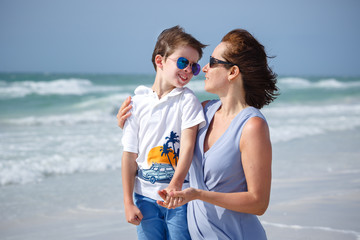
220,170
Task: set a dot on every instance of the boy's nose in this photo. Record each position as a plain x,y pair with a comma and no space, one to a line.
188,68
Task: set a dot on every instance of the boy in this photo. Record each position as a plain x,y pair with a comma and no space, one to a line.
160,116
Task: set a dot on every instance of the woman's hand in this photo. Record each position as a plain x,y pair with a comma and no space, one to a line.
123,112
169,201
182,197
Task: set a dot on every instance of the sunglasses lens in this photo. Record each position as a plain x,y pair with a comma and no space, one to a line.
182,63
211,62
195,69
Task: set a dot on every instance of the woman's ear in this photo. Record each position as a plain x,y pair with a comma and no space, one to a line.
234,72
158,61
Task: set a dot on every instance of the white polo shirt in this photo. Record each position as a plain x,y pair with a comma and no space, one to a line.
153,131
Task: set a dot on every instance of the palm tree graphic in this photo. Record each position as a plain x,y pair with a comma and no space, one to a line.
165,149
174,138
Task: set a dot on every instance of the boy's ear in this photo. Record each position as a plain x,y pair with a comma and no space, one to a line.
158,61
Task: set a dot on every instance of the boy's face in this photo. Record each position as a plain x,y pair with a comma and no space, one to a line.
175,76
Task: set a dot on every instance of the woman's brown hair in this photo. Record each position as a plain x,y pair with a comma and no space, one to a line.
249,55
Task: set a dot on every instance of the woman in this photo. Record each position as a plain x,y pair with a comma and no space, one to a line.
230,176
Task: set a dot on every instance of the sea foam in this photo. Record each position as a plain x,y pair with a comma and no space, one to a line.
72,86
38,153
289,122
299,83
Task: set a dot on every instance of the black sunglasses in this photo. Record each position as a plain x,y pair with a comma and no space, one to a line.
214,61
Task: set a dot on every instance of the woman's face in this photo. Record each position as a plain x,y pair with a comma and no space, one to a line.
216,78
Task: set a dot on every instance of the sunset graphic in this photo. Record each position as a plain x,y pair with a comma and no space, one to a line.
162,161
156,155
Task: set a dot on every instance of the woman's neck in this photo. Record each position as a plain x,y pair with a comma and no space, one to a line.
231,106
233,101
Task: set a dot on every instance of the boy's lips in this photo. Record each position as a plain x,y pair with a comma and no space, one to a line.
182,77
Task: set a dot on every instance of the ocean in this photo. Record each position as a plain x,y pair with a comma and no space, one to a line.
60,156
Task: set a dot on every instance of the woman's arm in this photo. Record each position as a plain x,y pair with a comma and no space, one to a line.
256,157
256,154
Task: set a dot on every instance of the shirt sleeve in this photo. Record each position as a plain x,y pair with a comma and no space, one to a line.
192,111
130,139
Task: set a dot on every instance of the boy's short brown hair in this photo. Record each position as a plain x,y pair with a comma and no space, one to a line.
172,38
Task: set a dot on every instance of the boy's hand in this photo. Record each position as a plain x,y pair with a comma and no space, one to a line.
133,214
163,194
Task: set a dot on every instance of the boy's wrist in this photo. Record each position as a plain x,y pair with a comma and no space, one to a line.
175,184
129,201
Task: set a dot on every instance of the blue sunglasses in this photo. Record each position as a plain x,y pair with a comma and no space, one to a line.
182,63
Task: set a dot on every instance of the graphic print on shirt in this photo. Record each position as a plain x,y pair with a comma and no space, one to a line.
162,161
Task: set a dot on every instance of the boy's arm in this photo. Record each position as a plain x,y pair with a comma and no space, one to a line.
128,172
187,143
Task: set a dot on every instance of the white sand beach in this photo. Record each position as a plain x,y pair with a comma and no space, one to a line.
316,188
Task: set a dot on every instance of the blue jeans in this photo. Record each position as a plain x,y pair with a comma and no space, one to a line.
159,222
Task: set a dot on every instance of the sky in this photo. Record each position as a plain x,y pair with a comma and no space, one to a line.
307,37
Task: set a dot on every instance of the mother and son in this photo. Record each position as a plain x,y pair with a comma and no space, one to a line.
192,170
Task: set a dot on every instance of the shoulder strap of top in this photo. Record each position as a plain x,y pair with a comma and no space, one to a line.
211,107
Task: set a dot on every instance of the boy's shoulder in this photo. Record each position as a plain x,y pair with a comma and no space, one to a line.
180,91
141,94
188,90
182,95
143,90
189,94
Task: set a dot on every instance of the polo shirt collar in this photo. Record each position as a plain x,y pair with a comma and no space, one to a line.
143,90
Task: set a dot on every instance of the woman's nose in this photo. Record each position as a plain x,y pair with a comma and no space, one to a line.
205,68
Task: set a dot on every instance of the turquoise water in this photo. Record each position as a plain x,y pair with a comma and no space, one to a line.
56,124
